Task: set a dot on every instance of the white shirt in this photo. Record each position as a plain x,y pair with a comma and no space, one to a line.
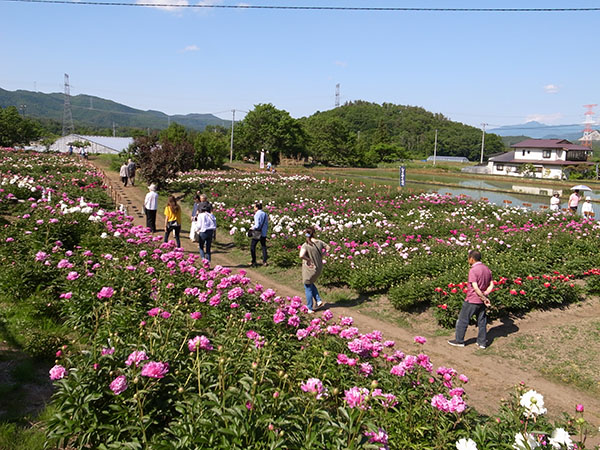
206,221
151,200
587,208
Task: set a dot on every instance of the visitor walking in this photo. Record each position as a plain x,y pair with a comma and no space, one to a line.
555,202
172,220
478,288
574,201
311,254
200,201
150,207
123,174
207,229
131,172
258,233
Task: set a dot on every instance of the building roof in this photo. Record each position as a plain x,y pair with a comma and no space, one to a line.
562,144
449,158
116,143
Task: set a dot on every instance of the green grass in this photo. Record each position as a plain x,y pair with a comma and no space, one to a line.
24,436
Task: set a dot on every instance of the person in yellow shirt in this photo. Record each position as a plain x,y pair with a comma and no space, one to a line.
172,219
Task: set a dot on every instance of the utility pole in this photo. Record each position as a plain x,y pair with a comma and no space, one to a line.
231,145
114,130
483,125
435,148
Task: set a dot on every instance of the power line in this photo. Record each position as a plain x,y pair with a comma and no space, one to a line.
309,8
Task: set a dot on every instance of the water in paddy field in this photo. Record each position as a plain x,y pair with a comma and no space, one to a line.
498,192
523,195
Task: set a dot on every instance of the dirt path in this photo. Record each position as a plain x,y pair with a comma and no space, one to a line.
491,376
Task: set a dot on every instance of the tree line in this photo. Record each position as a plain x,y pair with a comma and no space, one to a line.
359,134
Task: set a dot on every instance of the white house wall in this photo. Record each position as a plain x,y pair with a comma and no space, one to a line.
551,172
537,154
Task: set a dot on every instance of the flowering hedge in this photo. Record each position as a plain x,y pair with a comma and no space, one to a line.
163,352
399,244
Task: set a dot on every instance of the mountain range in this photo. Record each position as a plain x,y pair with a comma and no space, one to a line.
539,130
99,112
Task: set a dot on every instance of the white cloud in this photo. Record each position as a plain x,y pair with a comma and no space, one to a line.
551,89
341,63
172,4
544,118
190,48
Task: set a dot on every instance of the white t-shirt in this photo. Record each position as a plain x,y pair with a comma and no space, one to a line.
151,200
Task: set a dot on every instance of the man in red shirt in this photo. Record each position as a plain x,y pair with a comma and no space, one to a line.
479,287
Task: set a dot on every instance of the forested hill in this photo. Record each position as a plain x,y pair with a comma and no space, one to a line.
393,131
98,112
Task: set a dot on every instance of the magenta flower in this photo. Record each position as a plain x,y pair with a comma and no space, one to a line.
41,256
154,312
380,437
107,351
119,384
315,386
136,358
196,315
58,372
105,292
155,369
357,397
236,292
420,340
165,315
279,316
72,276
579,407
199,342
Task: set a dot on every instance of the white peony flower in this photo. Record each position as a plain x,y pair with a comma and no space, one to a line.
466,444
117,234
533,403
104,235
522,443
559,438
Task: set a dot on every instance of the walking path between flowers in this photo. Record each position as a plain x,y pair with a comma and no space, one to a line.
491,377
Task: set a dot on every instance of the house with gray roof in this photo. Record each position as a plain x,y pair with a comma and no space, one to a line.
540,158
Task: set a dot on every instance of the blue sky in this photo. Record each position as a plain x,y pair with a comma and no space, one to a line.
498,68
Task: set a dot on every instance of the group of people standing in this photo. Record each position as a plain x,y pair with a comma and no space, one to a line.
587,209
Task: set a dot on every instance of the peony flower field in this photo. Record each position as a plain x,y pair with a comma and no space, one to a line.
157,350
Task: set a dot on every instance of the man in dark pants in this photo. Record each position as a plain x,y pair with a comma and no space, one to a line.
479,287
261,226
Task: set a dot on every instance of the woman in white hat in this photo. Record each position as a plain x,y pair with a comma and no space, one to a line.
586,209
150,207
555,202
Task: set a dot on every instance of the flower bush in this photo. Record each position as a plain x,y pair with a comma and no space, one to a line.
405,245
161,351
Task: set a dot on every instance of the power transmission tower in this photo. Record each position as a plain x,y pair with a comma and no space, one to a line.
68,126
337,95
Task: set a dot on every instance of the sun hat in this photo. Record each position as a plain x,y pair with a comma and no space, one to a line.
588,198
152,187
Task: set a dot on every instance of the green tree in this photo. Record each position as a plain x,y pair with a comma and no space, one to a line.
211,149
16,130
330,141
270,129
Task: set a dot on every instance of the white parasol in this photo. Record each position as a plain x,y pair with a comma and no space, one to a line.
581,187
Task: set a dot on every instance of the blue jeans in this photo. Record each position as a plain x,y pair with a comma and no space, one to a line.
311,292
204,241
467,311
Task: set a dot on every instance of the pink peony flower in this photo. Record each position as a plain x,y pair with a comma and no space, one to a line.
315,386
155,369
136,358
579,407
199,342
356,397
107,351
196,315
154,312
105,292
119,384
58,372
420,340
72,276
